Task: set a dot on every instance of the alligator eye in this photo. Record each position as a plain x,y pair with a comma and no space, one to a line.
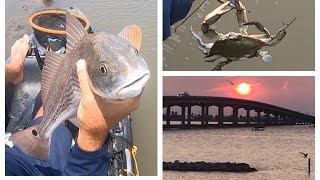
103,69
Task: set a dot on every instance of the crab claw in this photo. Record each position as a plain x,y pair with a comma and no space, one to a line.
235,4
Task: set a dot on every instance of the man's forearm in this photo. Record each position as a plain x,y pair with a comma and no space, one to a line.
91,141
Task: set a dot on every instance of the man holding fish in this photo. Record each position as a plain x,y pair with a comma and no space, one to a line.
96,90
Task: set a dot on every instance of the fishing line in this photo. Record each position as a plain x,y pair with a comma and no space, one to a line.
221,1
175,30
122,138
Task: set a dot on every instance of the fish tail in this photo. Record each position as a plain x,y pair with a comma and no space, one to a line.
31,143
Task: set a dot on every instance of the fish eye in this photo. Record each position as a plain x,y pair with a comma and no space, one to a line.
34,132
136,50
103,69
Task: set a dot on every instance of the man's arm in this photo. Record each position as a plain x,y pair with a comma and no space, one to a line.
96,117
14,70
84,163
89,156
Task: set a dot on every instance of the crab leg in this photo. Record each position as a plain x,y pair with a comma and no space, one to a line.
203,46
280,34
215,15
214,59
221,64
234,3
260,27
242,18
262,37
241,14
204,50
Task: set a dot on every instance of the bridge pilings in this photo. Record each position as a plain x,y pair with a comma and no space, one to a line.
168,115
220,115
235,115
248,115
189,114
183,112
258,117
265,114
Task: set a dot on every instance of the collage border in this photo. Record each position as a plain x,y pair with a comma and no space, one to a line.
161,73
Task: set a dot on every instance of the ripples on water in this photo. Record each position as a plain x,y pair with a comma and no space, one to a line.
273,152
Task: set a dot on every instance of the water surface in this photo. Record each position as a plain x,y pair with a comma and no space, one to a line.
295,52
273,152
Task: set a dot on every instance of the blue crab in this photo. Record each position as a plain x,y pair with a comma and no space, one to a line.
236,46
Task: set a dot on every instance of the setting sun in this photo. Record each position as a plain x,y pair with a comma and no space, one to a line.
243,88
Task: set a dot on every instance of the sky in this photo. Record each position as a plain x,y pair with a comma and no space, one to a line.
295,92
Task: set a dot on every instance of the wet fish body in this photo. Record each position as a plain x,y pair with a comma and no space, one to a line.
115,68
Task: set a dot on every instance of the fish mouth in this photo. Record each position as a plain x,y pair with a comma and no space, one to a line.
133,87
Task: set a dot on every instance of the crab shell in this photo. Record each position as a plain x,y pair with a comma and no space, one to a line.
235,45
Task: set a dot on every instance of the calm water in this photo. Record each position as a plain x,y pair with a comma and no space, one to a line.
109,16
294,52
273,152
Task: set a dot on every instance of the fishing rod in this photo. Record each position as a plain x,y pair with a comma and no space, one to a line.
122,150
33,52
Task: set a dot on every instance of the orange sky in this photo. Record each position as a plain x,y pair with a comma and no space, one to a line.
295,93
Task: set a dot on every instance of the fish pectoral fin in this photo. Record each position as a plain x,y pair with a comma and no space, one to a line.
133,34
32,145
75,31
52,63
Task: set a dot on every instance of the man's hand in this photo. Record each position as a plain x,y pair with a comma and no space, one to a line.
14,70
96,115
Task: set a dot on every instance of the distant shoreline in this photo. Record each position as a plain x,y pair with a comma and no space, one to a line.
196,126
207,166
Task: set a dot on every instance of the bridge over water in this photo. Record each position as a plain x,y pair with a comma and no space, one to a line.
273,115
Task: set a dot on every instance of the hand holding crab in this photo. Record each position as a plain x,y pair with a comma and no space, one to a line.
236,46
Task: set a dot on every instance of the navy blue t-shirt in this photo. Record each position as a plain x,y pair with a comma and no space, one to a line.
173,11
63,161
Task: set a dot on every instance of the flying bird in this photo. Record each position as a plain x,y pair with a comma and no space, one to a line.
305,155
231,82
